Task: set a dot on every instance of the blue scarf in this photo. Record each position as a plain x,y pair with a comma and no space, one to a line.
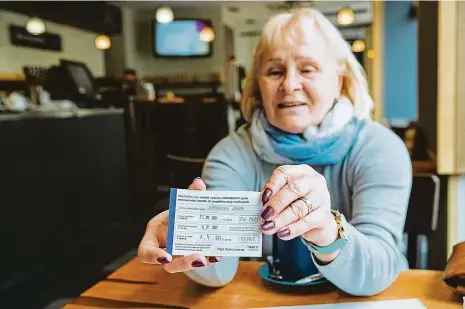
326,144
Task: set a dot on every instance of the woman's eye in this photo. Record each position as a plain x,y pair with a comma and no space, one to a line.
308,70
275,73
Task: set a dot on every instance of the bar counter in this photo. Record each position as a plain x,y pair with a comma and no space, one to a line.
64,192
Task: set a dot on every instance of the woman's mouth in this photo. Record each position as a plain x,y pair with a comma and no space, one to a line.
290,104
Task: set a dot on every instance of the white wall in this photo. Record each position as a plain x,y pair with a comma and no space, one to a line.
77,45
130,35
139,54
115,56
244,47
227,17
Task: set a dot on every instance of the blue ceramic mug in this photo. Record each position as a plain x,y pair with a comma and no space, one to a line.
295,260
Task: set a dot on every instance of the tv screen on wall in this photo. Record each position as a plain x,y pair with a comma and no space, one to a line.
181,38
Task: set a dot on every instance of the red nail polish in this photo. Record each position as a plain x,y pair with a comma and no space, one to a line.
213,259
198,264
284,233
266,195
163,260
268,225
267,213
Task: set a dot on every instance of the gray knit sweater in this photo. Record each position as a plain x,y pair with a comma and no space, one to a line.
370,187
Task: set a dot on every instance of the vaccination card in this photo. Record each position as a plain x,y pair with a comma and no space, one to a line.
214,223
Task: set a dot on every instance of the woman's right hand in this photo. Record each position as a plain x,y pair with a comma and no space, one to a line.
150,248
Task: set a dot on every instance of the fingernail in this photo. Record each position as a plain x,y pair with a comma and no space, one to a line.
198,264
267,213
198,178
284,233
266,196
213,259
163,260
268,225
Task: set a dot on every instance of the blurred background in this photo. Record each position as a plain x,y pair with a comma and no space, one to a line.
106,105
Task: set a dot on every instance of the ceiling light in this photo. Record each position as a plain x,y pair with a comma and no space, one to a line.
102,41
35,26
164,15
345,17
371,54
207,34
358,46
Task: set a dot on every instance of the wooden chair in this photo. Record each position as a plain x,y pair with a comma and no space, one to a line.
422,218
183,170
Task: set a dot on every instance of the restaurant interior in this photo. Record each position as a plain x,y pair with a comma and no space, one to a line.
105,106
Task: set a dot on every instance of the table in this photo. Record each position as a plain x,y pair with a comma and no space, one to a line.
138,285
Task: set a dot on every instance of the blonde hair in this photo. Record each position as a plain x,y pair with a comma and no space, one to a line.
287,28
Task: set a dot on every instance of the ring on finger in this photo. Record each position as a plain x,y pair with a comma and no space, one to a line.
308,203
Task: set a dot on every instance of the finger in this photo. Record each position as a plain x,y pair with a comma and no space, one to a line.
292,213
185,263
281,176
155,237
292,191
153,255
213,259
311,222
198,184
150,252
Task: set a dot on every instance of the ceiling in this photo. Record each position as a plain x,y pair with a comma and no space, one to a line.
148,5
243,14
248,11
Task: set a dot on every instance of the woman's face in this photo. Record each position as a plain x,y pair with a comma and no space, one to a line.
298,85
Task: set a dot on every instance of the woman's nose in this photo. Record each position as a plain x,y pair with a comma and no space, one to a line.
292,82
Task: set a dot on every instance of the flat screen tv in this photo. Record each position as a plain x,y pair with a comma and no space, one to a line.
181,38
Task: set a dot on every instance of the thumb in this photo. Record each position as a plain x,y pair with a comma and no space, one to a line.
198,184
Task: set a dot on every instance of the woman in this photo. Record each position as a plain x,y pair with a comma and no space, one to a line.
310,148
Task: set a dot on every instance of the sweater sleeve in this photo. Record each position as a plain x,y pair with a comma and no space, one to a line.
224,169
372,258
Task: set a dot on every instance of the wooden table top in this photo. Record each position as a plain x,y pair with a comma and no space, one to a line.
138,285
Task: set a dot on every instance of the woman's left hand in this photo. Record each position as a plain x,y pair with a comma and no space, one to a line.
297,203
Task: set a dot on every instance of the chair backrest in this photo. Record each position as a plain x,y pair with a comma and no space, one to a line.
423,208
422,218
183,170
193,128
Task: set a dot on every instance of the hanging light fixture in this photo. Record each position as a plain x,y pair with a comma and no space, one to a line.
35,26
346,16
207,34
164,15
358,46
102,41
